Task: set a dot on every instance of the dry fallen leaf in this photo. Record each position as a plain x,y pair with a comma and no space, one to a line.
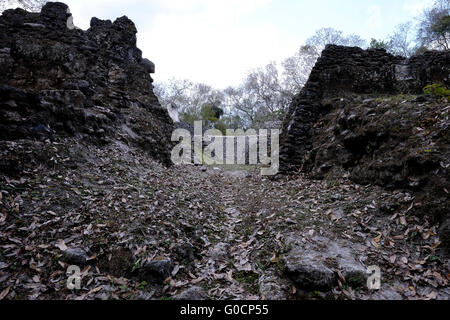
229,276
4,293
403,221
175,270
393,258
61,245
94,290
199,279
432,296
274,258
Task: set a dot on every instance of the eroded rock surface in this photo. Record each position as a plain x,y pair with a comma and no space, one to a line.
91,84
363,114
314,265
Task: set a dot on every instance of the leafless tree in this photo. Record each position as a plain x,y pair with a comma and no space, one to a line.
326,36
29,5
298,67
241,103
174,91
262,96
190,98
401,42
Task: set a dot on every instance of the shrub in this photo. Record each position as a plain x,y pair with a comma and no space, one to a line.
437,90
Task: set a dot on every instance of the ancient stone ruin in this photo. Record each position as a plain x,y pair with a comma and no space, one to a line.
86,181
91,84
342,71
358,115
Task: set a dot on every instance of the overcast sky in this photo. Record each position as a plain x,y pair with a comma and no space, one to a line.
218,41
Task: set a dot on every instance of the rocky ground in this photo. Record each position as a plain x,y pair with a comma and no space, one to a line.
139,230
82,136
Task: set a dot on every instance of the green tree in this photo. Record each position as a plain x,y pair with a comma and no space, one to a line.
434,26
378,44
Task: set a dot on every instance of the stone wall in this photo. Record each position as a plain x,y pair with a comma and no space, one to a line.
94,84
346,70
363,115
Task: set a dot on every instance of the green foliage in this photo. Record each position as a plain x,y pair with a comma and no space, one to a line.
437,90
211,113
213,117
434,26
190,116
142,285
442,26
378,44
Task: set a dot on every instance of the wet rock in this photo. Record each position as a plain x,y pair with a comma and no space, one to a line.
194,294
156,271
314,265
76,256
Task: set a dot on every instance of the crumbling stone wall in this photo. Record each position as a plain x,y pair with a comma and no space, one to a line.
94,84
363,114
346,70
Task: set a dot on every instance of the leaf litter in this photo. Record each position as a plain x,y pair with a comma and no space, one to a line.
123,209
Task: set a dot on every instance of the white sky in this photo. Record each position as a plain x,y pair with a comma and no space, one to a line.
218,41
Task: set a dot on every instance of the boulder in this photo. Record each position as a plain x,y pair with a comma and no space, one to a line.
315,265
75,256
148,65
184,252
55,15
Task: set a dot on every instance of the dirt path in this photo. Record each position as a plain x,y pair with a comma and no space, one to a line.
138,230
283,238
